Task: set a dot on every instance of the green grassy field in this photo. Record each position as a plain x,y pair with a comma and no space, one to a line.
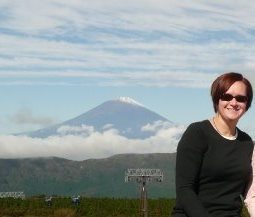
88,207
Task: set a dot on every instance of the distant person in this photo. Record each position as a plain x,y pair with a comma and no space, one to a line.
213,162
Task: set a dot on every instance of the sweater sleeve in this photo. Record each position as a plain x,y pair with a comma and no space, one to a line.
190,151
250,196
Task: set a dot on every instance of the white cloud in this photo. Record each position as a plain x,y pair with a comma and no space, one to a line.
156,126
107,126
83,130
94,145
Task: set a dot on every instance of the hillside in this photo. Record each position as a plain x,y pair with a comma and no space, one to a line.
93,177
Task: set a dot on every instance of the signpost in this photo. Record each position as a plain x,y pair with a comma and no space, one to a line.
143,176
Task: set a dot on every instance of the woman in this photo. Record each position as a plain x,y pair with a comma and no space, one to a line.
213,162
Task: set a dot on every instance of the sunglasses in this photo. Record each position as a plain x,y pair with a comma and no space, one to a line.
229,97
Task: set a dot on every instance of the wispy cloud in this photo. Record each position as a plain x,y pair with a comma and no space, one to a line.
149,79
114,40
26,117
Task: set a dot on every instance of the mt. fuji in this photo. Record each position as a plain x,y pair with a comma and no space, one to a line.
124,115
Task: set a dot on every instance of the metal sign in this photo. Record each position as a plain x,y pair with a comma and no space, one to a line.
13,194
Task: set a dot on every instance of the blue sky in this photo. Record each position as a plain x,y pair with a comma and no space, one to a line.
60,58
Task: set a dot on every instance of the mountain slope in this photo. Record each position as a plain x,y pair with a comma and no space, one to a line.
94,177
125,115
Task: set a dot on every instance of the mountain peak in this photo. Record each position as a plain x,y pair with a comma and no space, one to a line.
129,100
128,117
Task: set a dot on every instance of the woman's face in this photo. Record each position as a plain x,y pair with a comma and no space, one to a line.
233,110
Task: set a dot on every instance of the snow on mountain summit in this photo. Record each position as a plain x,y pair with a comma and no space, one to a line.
129,100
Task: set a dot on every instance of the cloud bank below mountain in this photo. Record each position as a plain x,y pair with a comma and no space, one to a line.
90,143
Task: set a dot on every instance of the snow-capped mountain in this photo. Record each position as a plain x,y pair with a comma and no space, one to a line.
125,115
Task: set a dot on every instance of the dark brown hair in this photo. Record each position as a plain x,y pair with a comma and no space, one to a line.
224,82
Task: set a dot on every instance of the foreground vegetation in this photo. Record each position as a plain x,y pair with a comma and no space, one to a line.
88,207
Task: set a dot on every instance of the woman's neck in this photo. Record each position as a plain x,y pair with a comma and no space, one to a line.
225,128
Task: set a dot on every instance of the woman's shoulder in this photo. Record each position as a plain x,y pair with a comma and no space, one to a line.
199,124
243,135
195,136
198,128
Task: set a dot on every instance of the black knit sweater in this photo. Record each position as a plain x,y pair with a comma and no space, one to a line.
211,172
